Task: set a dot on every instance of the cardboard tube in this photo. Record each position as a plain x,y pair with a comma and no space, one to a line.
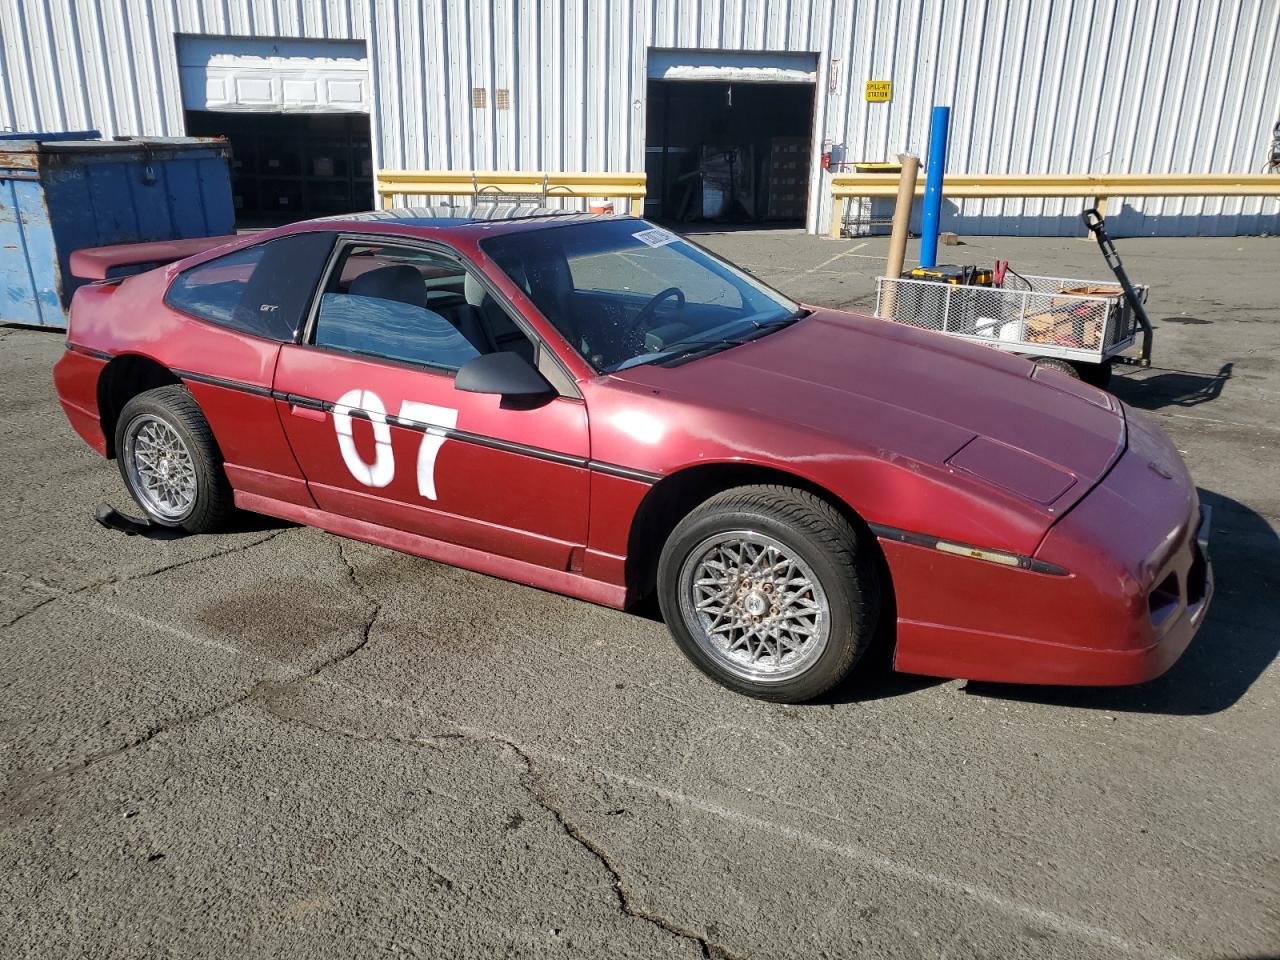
901,227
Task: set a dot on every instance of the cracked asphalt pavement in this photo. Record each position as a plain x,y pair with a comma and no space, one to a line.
273,742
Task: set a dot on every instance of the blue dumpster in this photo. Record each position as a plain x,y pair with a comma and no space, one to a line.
59,195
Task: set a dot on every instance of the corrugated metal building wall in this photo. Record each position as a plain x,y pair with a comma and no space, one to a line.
112,65
1072,86
1075,86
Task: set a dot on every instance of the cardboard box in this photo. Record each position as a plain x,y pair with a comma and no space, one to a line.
1096,290
1060,327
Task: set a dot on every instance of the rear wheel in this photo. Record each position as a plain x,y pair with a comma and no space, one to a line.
170,461
769,591
1095,374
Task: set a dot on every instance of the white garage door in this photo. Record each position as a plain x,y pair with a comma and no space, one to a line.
733,66
274,75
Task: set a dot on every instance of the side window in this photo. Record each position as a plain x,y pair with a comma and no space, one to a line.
399,303
262,290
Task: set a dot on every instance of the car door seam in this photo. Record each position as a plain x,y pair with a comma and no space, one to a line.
452,433
210,380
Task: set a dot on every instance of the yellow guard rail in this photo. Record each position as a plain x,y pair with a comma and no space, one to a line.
509,186
1098,187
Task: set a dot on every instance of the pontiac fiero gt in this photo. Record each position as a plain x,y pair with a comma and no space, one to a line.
595,406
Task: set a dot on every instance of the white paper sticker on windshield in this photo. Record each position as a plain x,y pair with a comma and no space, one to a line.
656,237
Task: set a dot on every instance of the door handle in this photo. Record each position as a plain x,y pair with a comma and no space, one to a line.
308,413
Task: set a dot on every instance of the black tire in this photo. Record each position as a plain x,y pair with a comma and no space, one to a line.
173,405
1095,374
1062,366
820,537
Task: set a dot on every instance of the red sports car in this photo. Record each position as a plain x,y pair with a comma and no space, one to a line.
595,406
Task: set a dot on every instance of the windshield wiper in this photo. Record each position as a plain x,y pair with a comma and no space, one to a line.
793,317
685,350
692,349
677,351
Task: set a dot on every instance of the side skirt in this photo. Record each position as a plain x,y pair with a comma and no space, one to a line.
519,571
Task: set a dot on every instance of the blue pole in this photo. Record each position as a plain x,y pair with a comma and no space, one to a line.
930,220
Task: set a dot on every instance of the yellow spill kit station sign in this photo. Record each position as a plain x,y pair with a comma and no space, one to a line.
879,91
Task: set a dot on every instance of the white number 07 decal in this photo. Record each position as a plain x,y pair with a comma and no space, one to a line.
383,469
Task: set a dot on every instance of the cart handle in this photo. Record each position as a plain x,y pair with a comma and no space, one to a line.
1096,225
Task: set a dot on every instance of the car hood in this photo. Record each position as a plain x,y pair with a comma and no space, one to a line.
1032,432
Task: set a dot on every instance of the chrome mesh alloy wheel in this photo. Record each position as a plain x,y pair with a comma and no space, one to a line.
754,606
159,468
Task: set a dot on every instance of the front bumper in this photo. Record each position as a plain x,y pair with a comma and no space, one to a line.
1099,656
1174,631
1138,587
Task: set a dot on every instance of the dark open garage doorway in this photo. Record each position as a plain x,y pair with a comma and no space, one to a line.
727,142
291,166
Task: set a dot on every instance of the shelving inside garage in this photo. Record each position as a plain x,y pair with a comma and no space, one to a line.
288,167
730,135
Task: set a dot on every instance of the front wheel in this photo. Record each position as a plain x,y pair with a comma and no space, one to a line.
769,591
170,461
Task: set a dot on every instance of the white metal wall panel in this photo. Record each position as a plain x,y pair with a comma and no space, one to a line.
1130,86
112,65
1125,86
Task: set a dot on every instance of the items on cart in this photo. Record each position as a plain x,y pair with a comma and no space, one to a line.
969,276
1077,325
1072,322
1081,322
965,301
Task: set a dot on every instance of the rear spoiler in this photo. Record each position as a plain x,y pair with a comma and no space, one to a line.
94,263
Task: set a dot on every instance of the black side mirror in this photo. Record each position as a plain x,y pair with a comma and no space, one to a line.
506,374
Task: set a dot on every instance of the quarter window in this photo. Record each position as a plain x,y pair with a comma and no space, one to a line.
263,290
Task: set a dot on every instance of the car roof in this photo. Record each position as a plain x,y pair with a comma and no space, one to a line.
437,218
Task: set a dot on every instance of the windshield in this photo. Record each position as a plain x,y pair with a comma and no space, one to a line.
625,292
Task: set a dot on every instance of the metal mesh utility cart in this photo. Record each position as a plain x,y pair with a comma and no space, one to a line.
1080,321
